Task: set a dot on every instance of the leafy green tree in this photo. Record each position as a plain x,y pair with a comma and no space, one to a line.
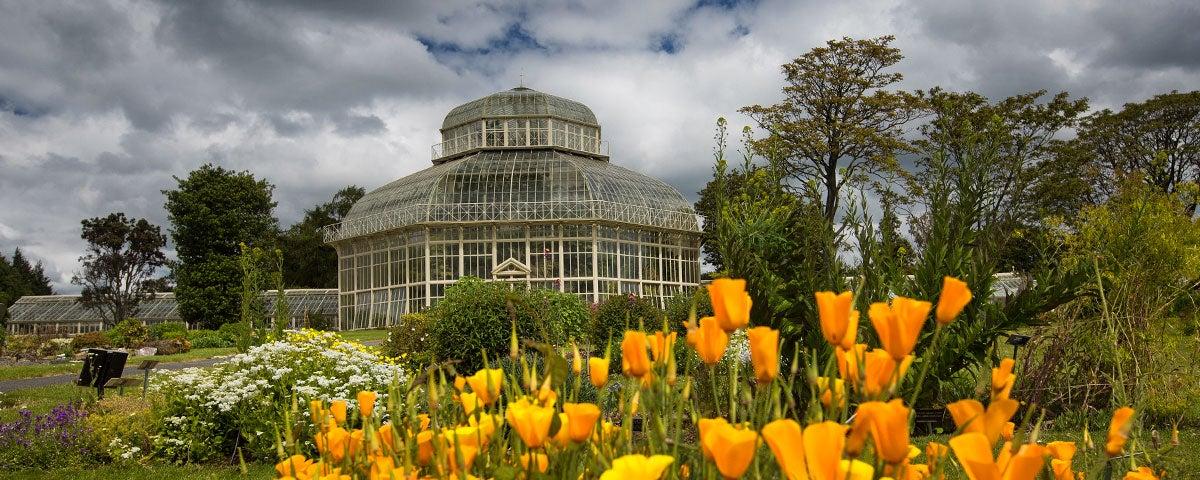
122,257
212,211
837,123
1156,141
308,261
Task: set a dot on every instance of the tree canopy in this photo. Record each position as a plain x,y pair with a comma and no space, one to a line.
212,211
123,255
307,261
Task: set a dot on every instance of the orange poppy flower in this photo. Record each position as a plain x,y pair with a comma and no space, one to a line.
970,416
1003,379
486,383
366,403
662,345
1118,431
823,446
532,422
954,297
540,460
899,325
598,371
338,409
730,302
732,448
635,362
583,418
786,440
839,323
764,353
709,340
974,452
637,467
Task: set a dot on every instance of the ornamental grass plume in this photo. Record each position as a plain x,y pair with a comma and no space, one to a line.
1118,431
730,302
954,297
839,322
899,324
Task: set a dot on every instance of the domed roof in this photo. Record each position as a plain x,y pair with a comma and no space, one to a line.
519,186
519,101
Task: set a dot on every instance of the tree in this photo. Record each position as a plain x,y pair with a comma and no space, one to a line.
837,123
212,212
122,257
308,261
27,278
1156,141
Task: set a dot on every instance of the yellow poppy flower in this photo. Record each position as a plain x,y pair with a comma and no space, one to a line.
598,371
486,383
709,340
638,467
839,323
855,470
730,302
954,297
470,402
532,422
764,353
293,466
583,418
1142,473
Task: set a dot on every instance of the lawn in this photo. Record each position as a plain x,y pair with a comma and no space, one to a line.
32,371
42,399
364,335
148,472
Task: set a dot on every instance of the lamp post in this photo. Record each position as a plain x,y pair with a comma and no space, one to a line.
1016,340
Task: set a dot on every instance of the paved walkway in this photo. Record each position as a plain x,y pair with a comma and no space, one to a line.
130,371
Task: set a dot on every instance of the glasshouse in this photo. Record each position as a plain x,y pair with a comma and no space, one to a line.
63,314
521,189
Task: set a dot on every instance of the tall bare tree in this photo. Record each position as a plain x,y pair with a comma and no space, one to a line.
118,269
837,123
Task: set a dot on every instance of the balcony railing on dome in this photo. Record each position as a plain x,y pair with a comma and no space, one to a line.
573,210
476,141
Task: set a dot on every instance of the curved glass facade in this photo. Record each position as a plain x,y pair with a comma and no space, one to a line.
527,200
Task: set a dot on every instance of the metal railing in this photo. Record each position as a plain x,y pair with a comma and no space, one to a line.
574,143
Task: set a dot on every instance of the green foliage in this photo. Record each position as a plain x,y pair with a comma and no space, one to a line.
260,270
212,211
17,279
837,122
565,315
618,313
120,429
209,339
129,333
478,316
168,330
90,340
408,341
235,333
679,307
308,261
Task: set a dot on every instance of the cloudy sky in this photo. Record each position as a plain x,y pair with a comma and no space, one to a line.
102,102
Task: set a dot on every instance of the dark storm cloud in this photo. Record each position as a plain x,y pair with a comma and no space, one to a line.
103,101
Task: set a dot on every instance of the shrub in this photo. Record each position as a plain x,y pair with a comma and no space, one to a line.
409,341
565,315
129,333
208,413
319,321
477,316
90,340
679,307
170,347
120,428
617,312
168,330
208,339
55,439
235,332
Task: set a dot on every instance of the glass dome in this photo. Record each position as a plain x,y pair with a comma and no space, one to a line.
521,189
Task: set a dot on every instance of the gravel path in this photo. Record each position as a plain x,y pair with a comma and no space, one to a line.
130,371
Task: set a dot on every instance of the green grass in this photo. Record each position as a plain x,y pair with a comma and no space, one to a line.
41,399
364,335
33,371
148,472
